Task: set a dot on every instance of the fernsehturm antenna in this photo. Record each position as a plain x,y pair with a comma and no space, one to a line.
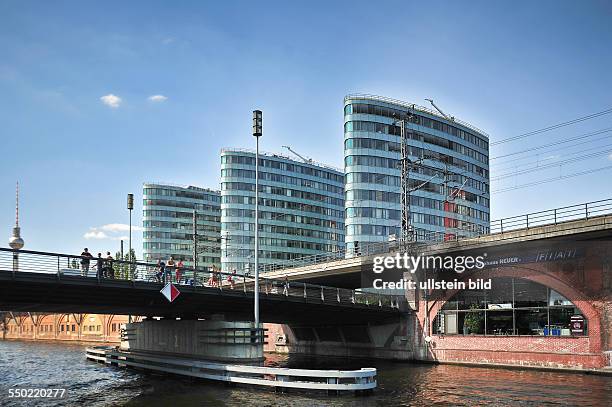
16,242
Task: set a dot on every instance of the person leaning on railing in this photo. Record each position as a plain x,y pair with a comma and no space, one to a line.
161,271
85,259
230,279
99,266
169,269
179,271
109,272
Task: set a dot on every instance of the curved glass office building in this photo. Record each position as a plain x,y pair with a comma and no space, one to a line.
451,196
301,209
168,223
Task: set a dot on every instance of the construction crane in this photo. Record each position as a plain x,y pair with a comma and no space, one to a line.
440,111
306,160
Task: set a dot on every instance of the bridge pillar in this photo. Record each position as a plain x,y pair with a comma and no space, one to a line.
387,340
212,340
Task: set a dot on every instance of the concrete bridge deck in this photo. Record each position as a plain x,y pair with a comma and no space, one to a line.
53,283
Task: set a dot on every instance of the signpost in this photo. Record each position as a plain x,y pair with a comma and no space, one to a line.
170,292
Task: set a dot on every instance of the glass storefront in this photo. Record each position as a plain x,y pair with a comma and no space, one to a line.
513,306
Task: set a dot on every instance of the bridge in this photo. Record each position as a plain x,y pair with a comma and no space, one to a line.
316,306
560,227
563,253
54,283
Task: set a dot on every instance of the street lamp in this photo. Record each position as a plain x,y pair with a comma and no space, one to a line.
257,133
130,206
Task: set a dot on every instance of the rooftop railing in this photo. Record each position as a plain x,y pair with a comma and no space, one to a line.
284,157
416,107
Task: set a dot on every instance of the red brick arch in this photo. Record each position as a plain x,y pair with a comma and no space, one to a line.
60,321
546,278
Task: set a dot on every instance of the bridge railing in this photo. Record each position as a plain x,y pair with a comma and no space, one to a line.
548,217
74,266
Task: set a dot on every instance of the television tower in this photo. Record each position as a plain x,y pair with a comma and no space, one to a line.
16,242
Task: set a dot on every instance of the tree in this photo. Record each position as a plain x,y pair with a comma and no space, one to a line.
473,320
125,271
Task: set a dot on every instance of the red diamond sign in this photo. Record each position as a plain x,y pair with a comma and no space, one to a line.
170,292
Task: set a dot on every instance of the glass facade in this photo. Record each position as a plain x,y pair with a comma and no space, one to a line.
301,209
451,196
513,306
168,224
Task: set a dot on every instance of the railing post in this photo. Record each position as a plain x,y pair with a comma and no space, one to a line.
353,296
322,295
304,290
58,266
501,225
244,283
586,210
338,294
555,216
379,300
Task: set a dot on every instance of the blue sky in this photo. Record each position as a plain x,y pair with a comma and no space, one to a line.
507,67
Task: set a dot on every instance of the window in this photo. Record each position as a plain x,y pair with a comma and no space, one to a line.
513,306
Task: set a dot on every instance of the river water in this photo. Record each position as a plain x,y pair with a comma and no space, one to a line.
61,365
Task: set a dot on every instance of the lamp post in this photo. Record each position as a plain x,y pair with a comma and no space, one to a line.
195,243
257,133
130,206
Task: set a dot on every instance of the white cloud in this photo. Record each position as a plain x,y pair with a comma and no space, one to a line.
110,231
157,98
118,227
610,156
95,234
111,100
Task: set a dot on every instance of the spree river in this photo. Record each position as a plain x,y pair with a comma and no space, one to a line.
61,365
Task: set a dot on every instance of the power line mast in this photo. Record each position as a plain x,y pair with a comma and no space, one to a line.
406,165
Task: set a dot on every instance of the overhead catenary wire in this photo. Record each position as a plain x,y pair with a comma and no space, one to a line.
540,162
544,181
550,165
553,127
567,140
546,155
